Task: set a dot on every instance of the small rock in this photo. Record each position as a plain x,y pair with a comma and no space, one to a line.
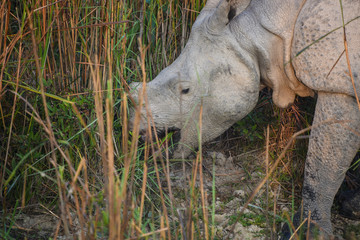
245,210
220,219
221,159
246,233
285,209
239,193
219,231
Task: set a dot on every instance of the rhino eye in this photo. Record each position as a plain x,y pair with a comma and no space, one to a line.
185,91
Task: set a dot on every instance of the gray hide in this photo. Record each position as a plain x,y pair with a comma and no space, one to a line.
227,59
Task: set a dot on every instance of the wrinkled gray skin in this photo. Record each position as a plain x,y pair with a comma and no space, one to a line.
235,48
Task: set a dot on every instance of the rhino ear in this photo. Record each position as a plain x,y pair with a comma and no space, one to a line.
225,11
222,15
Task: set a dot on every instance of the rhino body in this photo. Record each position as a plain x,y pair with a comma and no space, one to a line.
294,47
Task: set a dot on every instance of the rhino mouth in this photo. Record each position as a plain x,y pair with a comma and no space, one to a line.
172,136
168,140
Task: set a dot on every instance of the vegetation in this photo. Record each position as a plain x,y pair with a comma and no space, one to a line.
65,143
66,148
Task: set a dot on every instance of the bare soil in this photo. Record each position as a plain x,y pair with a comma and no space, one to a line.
234,179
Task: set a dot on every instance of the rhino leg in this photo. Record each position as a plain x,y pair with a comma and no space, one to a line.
332,148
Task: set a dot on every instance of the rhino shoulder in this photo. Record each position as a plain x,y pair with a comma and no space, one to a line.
318,52
270,25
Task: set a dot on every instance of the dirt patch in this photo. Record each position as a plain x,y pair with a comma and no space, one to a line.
234,179
34,224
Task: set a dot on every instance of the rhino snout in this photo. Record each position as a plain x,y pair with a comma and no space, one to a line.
165,149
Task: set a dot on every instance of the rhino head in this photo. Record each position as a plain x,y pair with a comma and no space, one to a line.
213,71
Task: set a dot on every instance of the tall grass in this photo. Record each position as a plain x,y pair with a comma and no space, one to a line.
65,67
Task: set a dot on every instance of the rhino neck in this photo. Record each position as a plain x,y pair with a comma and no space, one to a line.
265,29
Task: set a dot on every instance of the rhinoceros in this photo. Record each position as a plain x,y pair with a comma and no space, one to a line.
294,47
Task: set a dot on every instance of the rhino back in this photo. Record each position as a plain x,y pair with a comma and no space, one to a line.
320,62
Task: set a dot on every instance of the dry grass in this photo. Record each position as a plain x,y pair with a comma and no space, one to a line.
65,68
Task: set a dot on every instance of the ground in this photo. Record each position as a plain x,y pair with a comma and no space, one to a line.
235,179
234,175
